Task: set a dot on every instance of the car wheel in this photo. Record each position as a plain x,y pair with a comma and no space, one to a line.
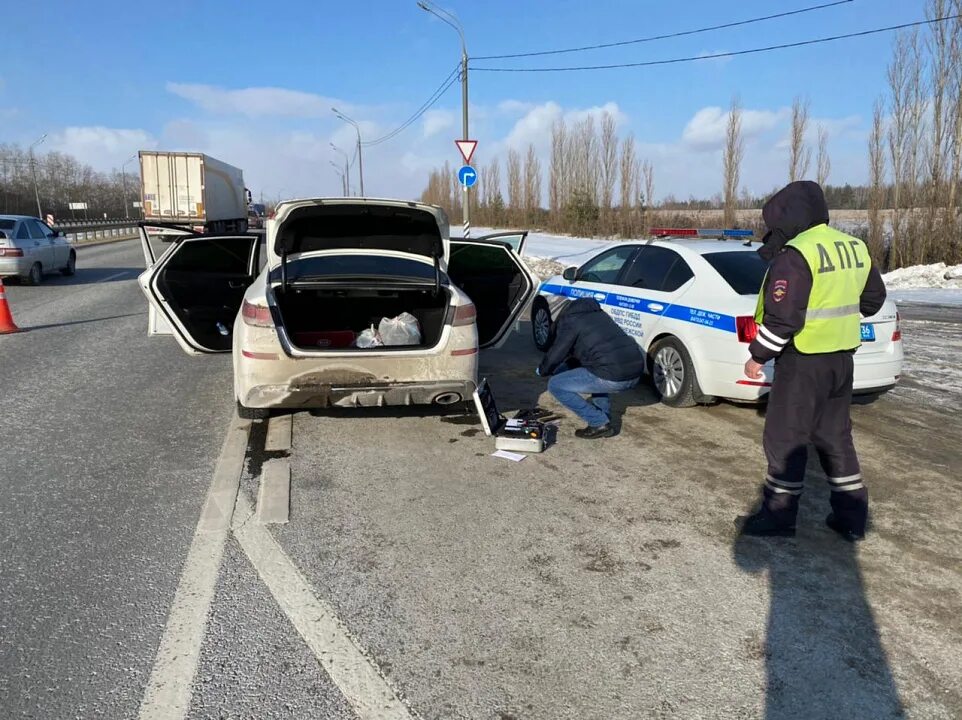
71,265
246,413
673,374
35,276
541,324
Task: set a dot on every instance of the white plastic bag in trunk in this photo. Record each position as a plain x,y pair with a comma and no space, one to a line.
400,330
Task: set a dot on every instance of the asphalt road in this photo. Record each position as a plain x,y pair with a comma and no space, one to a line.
598,580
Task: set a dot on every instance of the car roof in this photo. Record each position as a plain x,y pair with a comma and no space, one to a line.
704,246
18,217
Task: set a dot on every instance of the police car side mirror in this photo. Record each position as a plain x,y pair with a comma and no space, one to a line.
570,274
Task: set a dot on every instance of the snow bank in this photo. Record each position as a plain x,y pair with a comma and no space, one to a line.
544,267
938,275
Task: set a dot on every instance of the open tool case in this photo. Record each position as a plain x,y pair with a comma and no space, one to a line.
522,433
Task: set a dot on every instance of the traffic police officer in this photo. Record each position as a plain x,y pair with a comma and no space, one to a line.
819,282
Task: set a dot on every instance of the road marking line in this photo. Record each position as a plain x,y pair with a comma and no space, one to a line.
339,654
279,433
274,496
114,276
168,692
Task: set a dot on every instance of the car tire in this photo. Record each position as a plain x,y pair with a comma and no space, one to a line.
246,413
71,267
35,276
673,373
541,324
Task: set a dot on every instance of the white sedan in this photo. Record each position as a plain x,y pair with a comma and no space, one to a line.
335,268
689,301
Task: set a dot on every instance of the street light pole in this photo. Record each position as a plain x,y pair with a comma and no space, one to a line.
344,187
452,20
123,172
347,169
33,170
360,159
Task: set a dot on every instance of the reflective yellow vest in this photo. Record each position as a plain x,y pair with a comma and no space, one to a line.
840,266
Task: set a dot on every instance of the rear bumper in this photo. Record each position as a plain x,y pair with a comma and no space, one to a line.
363,395
15,266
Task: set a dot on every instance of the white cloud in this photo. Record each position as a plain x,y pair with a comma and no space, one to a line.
257,101
706,129
102,147
436,121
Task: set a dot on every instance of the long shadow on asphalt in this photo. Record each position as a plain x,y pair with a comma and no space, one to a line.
84,276
822,651
34,328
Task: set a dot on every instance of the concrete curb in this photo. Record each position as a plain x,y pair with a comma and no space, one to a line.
95,243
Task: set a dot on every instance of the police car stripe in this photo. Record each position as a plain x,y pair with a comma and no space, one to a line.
696,316
771,337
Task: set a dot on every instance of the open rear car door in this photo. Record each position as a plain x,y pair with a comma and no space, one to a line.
196,289
515,238
497,280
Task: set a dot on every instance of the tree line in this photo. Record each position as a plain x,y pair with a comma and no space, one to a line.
597,185
60,180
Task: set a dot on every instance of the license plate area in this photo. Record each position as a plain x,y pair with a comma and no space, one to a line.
868,332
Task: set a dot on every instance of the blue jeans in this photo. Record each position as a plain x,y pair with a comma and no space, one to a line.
568,387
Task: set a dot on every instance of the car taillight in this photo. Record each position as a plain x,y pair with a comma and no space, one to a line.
897,335
256,315
464,315
11,252
746,327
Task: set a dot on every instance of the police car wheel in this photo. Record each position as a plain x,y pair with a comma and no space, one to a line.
541,324
673,374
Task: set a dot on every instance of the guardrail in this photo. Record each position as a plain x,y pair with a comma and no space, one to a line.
84,231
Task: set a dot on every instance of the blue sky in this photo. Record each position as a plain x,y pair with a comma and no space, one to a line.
253,86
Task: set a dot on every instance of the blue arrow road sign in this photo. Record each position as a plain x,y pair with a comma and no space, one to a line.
467,176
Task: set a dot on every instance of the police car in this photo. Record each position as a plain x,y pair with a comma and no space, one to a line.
688,296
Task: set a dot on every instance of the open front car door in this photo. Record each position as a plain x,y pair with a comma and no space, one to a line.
498,282
197,288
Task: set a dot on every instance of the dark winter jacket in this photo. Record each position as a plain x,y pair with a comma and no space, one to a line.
588,334
797,207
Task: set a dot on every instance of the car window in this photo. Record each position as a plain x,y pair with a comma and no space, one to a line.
606,267
35,232
7,224
744,271
213,256
22,232
44,228
658,268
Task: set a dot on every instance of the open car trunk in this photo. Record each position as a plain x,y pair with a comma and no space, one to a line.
331,319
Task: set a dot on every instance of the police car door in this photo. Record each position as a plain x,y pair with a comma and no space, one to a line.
600,278
652,284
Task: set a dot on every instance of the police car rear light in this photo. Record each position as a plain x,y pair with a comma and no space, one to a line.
701,232
897,335
746,327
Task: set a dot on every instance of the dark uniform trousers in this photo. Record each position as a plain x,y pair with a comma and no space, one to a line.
809,403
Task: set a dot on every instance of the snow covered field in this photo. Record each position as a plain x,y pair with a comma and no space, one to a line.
937,284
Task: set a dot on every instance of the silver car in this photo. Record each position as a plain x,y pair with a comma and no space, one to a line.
29,248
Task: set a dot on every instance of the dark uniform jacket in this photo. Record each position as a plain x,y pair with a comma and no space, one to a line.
791,211
587,333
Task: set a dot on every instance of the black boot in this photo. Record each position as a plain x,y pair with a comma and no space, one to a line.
762,524
593,433
843,530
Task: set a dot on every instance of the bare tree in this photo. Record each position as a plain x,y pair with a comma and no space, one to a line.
876,200
800,155
648,195
532,185
515,185
732,160
609,167
898,139
823,162
628,184
557,172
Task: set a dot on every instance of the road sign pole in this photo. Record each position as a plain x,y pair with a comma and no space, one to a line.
466,201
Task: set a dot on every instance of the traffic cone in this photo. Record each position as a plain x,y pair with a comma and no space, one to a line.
7,325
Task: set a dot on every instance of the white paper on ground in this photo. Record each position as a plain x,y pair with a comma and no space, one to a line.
516,457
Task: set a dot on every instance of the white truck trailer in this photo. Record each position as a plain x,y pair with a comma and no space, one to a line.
193,189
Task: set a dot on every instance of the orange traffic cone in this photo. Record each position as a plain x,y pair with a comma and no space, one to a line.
7,325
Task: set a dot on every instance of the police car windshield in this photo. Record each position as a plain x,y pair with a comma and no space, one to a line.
743,271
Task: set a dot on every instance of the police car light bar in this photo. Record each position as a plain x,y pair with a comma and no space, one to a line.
697,232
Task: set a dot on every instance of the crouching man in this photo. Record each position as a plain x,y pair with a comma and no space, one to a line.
609,361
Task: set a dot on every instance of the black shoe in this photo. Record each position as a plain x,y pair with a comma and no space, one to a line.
843,530
762,524
593,433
